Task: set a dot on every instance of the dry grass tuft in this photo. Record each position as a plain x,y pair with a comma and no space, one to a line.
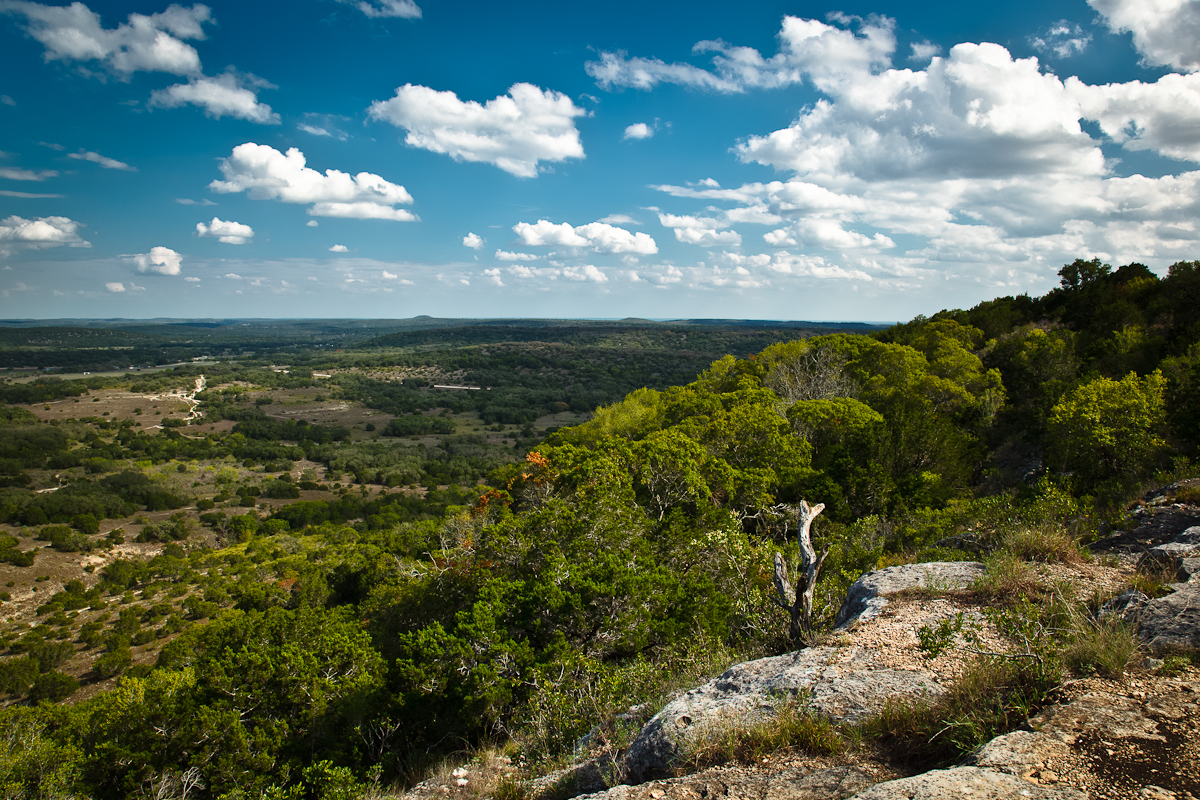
795,727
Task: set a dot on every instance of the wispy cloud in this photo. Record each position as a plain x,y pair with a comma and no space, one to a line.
104,161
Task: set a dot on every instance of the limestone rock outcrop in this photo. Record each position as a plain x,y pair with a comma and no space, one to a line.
842,683
868,595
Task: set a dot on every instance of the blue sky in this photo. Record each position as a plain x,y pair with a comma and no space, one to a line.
388,158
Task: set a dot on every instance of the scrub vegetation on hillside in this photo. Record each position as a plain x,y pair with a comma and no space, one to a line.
298,609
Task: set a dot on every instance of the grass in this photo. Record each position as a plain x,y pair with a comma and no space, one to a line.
1101,647
991,697
794,727
1189,494
1152,579
1047,543
1007,577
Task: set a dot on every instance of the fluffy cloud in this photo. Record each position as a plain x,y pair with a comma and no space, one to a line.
598,236
227,232
230,94
1163,116
405,9
115,287
514,132
504,255
638,130
703,231
13,174
17,233
977,167
587,272
807,48
104,161
150,43
162,260
339,248
1165,32
581,273
978,114
267,174
473,241
389,276
1062,40
812,267
827,234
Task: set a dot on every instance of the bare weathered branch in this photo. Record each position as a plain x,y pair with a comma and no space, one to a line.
798,601
783,585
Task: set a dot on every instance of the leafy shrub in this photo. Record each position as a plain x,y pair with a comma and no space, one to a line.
114,662
53,686
176,528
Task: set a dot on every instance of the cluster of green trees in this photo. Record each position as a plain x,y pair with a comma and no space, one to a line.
351,635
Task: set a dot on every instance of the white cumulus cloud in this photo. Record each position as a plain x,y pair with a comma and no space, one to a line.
598,236
339,248
17,233
230,94
704,231
977,167
807,49
227,232
161,260
115,287
149,43
1163,116
581,273
515,131
505,255
104,161
638,130
1165,32
267,174
586,272
473,241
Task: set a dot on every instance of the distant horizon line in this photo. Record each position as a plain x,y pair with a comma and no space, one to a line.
26,320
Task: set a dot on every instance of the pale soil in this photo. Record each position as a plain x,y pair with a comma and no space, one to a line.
1110,767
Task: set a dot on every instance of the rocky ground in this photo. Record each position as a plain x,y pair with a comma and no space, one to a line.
1135,736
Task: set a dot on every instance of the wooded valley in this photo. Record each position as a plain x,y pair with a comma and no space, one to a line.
385,543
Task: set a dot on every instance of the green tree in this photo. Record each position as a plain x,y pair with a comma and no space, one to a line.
1108,430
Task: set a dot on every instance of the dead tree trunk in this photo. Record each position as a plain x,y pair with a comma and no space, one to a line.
797,600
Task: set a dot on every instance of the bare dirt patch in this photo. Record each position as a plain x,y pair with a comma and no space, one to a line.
114,404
